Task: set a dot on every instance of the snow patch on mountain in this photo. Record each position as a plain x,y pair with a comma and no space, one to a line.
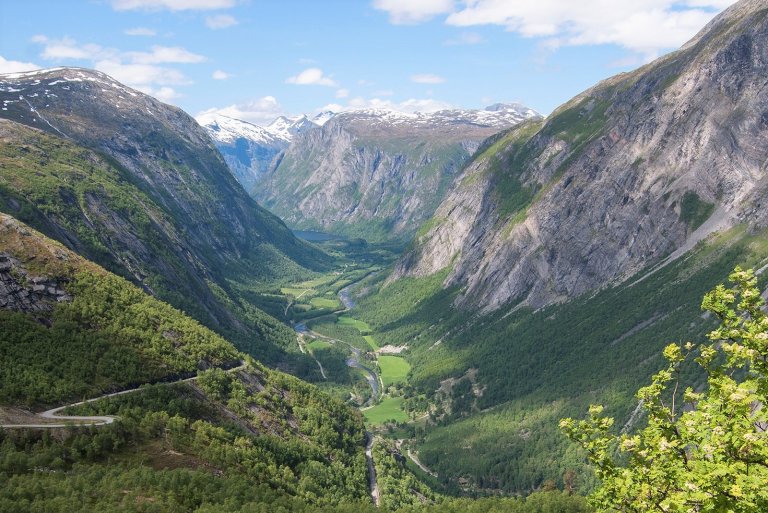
227,130
498,115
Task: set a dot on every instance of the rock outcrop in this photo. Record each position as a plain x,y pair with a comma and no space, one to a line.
21,292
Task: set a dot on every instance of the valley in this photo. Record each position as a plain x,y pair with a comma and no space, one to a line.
385,304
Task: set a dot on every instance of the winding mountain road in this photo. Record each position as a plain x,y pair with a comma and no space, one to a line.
89,420
419,464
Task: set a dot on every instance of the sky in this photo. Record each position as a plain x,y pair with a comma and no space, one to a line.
259,59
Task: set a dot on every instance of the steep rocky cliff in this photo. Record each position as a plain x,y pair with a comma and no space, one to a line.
137,186
630,173
377,174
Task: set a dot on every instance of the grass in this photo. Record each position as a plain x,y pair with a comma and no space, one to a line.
394,369
318,344
362,327
389,409
372,342
323,302
289,291
318,282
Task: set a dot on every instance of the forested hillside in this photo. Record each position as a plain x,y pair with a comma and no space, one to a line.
93,332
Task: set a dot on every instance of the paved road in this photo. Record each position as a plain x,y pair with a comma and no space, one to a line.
90,420
372,482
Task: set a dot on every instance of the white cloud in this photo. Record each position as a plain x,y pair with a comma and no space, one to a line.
140,31
465,38
67,48
333,107
717,4
7,66
220,75
146,71
165,55
220,21
164,94
141,75
642,26
311,76
410,105
261,111
342,93
427,78
171,5
413,11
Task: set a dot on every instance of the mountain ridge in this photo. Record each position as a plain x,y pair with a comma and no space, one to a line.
616,179
137,185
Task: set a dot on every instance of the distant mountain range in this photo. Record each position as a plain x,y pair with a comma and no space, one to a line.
251,151
373,173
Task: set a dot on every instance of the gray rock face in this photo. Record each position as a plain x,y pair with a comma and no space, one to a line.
21,292
377,174
628,172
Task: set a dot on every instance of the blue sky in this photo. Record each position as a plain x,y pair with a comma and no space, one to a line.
257,59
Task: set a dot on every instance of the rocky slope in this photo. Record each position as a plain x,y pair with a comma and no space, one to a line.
627,174
377,174
138,186
252,151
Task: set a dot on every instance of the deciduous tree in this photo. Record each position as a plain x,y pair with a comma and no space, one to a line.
709,453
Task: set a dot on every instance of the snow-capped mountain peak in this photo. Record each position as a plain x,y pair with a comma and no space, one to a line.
285,127
225,129
323,117
499,116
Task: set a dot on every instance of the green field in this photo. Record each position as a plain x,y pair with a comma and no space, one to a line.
388,409
371,342
318,344
324,302
290,291
394,369
363,327
317,282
